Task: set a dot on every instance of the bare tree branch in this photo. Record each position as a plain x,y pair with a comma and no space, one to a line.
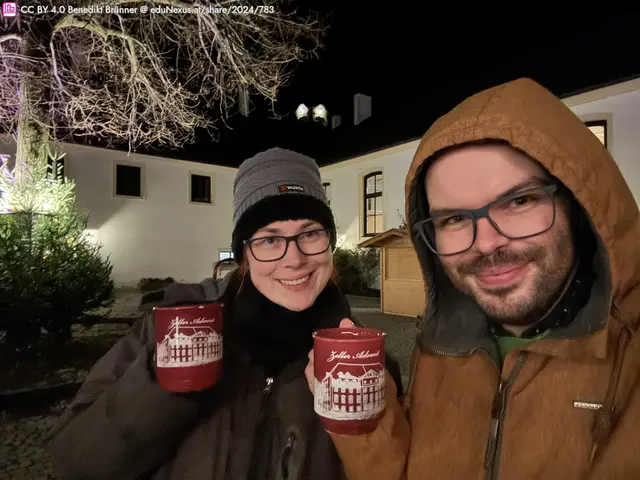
11,36
147,80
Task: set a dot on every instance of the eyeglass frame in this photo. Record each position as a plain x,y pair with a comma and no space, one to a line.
288,240
483,212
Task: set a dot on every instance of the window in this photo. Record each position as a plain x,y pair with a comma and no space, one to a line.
128,180
200,188
55,169
373,204
225,254
599,129
327,191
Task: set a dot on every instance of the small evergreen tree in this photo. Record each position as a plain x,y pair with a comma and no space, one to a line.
51,271
402,222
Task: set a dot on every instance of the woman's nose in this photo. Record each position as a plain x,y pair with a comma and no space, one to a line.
293,257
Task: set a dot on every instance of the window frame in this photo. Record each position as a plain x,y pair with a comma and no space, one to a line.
602,122
211,187
141,167
225,250
51,163
367,196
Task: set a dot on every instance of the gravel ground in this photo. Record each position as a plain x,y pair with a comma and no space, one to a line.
126,304
399,340
22,455
53,364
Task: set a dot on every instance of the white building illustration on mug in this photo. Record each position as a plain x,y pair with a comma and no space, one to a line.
350,392
185,346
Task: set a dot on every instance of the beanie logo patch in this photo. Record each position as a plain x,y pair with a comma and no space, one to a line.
290,188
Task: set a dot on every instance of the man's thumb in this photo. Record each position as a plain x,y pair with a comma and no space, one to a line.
346,323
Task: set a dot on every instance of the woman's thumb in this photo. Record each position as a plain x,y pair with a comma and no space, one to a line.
346,323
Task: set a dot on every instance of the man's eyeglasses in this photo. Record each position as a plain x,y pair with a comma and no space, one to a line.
519,215
274,247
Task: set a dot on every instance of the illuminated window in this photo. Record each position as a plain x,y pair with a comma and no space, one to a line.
599,129
373,204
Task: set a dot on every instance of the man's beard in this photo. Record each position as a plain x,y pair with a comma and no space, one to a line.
553,268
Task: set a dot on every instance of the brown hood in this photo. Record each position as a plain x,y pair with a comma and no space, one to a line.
533,120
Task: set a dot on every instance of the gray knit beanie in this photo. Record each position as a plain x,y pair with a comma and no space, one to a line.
275,185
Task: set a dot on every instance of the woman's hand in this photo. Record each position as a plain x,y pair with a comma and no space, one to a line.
344,323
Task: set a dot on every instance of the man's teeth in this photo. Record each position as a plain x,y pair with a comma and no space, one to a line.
295,282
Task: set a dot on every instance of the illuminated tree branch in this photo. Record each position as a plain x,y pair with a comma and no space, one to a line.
151,80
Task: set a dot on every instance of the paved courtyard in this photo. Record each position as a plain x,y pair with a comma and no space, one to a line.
22,455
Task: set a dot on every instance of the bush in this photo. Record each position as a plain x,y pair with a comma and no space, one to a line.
50,274
358,268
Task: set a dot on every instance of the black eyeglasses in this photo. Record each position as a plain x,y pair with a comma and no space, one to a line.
519,215
274,247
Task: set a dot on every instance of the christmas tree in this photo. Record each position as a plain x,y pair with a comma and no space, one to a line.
51,271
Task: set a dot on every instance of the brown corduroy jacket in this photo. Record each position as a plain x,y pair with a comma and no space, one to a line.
463,416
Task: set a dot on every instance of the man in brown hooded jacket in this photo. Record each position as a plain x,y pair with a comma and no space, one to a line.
526,363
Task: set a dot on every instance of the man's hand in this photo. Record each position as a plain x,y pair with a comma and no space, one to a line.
344,323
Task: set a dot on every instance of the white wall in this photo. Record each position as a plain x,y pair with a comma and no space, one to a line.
162,234
347,184
618,104
622,113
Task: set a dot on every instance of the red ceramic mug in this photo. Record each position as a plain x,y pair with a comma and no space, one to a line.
349,382
188,346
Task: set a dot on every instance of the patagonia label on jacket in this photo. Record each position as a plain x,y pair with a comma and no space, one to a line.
587,405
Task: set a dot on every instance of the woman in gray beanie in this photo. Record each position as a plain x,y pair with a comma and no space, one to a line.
258,421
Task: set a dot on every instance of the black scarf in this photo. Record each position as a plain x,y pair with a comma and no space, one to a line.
274,336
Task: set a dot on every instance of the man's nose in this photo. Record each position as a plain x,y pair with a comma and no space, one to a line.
488,239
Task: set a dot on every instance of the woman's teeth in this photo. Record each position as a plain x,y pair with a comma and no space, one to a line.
292,283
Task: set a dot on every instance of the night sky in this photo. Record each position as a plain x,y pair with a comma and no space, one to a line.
418,62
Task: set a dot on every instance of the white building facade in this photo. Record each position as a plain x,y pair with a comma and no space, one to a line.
364,208
155,217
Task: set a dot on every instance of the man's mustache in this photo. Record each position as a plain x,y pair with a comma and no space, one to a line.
501,257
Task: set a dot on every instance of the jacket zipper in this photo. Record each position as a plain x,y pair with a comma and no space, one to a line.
604,420
414,363
267,386
407,395
254,470
286,453
445,353
498,410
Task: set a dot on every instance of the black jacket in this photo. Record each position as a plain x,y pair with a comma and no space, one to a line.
123,425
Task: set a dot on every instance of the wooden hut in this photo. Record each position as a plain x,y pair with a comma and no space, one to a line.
402,289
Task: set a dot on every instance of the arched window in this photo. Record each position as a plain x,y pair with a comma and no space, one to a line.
373,204
599,129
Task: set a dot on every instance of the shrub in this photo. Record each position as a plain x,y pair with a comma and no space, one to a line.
358,268
51,274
